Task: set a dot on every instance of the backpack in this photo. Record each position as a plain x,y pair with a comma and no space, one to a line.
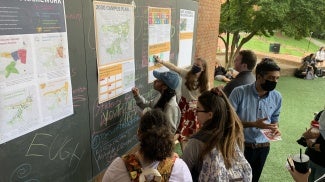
162,173
214,169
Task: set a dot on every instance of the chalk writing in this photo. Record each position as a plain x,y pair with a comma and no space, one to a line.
141,74
138,23
124,111
54,148
21,173
73,72
74,16
90,39
173,30
106,147
140,17
99,108
173,56
112,112
79,96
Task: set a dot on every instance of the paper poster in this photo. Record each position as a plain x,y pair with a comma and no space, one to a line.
35,83
159,22
114,26
186,29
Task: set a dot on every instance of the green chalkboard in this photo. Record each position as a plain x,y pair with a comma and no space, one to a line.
79,147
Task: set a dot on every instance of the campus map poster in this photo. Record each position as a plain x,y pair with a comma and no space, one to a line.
35,83
159,22
186,29
114,28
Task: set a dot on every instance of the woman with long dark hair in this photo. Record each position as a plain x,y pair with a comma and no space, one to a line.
215,152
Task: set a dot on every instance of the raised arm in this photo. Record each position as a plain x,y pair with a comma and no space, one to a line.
169,65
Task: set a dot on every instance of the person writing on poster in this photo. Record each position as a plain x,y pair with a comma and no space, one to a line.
165,84
194,82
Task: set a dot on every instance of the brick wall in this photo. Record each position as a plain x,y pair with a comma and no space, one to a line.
207,32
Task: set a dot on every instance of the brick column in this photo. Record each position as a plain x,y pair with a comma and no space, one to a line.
207,32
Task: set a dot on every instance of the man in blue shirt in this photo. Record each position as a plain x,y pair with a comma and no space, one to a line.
258,106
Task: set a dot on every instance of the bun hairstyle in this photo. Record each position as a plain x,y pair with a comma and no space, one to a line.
156,138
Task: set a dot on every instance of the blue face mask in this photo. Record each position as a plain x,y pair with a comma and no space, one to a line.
195,69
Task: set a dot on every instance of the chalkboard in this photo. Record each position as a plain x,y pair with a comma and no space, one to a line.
81,146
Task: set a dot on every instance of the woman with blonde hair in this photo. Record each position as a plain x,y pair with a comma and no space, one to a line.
194,82
215,152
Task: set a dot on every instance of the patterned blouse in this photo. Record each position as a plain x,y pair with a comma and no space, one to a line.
214,169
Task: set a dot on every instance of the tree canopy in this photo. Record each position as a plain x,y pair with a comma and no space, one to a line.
294,18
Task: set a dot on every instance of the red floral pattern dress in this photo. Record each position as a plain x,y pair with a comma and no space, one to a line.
188,123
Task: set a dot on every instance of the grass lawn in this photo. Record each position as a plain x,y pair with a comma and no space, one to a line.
287,45
301,98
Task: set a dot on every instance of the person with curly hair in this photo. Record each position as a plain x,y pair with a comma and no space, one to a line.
215,152
165,84
156,146
194,82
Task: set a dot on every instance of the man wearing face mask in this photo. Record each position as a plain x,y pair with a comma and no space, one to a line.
258,105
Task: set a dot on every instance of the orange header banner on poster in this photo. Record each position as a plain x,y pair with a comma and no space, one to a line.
158,48
187,35
108,71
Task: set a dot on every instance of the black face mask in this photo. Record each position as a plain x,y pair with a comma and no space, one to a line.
268,85
195,69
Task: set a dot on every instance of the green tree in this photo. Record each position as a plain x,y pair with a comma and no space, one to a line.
295,18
